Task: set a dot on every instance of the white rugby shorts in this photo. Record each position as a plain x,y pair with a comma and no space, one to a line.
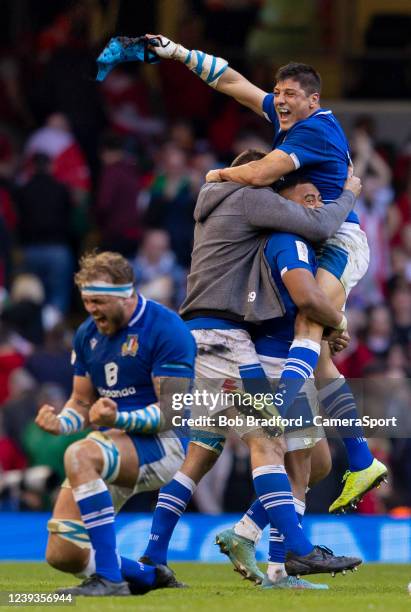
346,255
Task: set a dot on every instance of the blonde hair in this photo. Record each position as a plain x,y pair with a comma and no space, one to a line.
27,287
102,266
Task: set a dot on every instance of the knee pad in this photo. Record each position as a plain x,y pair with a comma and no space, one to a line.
110,453
71,530
213,443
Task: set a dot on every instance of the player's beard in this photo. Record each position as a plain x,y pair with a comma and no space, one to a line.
112,323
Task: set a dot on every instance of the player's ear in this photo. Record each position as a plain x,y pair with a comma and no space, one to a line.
314,99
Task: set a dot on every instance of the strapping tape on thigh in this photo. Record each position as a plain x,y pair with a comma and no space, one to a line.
111,455
71,530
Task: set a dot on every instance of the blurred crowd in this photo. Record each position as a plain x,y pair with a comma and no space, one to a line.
119,166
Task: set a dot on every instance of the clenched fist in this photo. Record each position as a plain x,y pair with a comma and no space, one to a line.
48,420
166,48
103,412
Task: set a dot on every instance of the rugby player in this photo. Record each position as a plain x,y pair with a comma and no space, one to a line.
120,354
305,136
293,265
229,220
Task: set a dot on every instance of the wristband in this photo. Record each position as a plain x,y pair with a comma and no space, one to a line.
342,326
145,420
71,421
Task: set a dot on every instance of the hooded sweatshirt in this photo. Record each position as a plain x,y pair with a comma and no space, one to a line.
232,224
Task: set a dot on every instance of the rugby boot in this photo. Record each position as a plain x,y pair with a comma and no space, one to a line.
96,586
293,583
320,560
356,485
171,582
241,552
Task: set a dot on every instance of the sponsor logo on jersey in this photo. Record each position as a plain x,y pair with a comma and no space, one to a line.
130,346
93,343
302,251
114,393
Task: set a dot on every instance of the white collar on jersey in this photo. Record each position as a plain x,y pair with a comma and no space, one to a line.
139,311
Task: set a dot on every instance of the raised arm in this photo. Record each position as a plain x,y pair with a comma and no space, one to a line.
214,71
259,173
266,210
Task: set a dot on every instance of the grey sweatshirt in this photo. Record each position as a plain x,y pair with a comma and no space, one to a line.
232,224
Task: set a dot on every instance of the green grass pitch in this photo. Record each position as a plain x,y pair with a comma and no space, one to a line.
216,588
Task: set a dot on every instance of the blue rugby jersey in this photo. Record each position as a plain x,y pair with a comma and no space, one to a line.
283,252
155,342
317,144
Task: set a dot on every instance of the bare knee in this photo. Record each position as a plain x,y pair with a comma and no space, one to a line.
65,557
82,457
265,451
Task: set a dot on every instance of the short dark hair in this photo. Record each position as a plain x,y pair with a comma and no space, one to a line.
305,75
290,180
247,156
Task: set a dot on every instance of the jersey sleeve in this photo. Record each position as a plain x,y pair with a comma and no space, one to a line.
269,110
77,355
174,351
288,252
306,144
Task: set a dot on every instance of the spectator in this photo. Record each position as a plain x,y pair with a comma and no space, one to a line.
41,447
24,313
51,363
43,206
158,275
116,210
127,104
11,457
68,164
352,361
10,360
171,201
378,335
20,408
400,301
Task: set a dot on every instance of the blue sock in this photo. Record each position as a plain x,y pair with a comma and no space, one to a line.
277,549
273,489
139,573
97,513
300,364
300,509
172,501
338,402
254,379
258,515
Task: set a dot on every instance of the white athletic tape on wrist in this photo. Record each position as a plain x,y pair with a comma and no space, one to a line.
343,324
100,287
71,421
208,67
145,420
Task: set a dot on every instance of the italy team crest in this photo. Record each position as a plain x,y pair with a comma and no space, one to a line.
130,346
